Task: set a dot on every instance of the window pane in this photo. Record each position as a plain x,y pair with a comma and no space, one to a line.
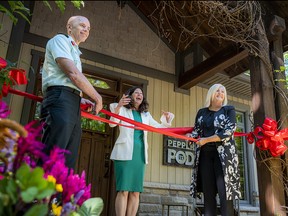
92,125
98,83
239,118
241,153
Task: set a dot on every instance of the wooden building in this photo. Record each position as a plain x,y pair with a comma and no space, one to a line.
127,48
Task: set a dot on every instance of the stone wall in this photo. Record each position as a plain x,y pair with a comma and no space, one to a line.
115,32
157,195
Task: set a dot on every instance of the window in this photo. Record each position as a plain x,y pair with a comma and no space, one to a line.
240,145
91,125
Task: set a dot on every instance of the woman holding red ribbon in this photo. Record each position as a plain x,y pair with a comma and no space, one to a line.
130,152
216,161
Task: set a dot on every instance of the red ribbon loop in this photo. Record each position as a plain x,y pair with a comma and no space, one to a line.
269,138
18,76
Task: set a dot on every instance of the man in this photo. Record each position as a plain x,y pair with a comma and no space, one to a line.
62,86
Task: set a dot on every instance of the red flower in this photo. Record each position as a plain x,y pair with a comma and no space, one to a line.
3,63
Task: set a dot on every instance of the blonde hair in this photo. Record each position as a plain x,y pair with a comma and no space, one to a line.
211,92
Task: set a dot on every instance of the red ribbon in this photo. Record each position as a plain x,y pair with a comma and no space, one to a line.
25,94
142,126
268,138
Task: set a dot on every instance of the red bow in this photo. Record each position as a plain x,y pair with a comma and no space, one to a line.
17,77
269,138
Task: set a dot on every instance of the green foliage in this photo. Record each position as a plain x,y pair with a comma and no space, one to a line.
91,207
32,184
26,186
78,4
284,70
62,4
17,7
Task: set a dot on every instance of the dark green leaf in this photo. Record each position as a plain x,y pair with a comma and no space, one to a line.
61,5
36,178
12,190
3,183
39,210
45,193
78,4
22,175
46,3
23,16
9,14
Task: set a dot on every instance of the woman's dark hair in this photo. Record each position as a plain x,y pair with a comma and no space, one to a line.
143,107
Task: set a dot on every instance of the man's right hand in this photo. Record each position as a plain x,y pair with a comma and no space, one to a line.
98,107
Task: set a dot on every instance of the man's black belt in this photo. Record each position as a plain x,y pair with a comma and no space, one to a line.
66,88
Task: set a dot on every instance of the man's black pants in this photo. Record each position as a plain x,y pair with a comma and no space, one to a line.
61,114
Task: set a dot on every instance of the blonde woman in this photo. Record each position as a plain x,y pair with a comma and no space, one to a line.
216,162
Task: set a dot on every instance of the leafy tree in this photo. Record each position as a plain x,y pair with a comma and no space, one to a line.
285,68
18,8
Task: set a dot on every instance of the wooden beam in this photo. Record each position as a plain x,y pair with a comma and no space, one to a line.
277,28
271,189
211,66
238,68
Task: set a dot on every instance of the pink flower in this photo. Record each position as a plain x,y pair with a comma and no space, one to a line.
55,165
73,185
4,110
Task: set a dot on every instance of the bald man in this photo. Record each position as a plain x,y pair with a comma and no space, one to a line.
62,87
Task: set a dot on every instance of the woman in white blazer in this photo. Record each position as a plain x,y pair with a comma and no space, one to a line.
130,152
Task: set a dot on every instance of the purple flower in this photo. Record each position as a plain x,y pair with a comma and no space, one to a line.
28,160
8,152
29,145
78,196
67,209
4,111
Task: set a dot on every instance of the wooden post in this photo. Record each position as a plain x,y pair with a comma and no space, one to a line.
277,27
271,191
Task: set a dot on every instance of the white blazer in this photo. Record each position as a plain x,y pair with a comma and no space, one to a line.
123,148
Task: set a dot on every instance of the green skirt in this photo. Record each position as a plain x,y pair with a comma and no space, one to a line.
130,174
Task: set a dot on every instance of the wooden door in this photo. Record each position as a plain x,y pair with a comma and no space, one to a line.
94,159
